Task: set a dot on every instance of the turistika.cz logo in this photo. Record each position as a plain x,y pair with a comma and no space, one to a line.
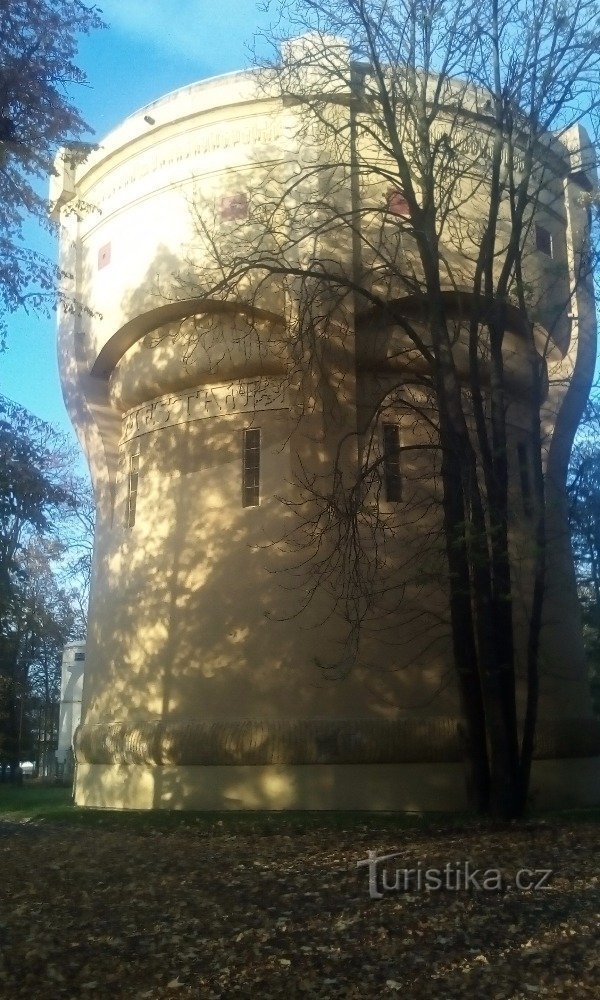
455,876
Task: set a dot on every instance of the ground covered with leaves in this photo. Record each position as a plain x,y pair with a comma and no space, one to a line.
260,906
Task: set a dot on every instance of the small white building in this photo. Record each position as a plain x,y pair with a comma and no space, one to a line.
71,686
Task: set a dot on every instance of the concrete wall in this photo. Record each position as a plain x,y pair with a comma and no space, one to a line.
194,613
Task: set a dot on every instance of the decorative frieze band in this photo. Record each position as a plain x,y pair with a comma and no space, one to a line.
186,156
343,741
240,396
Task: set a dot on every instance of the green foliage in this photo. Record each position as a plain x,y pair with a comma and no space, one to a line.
584,517
32,482
40,512
38,45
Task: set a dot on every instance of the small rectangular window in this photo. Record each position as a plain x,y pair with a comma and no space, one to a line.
392,472
234,207
251,468
397,204
525,477
132,488
104,256
543,241
79,657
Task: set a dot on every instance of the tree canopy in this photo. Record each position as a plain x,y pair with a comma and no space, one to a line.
45,542
584,518
38,46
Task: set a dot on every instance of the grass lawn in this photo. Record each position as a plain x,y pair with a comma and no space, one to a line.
154,905
54,804
35,801
46,803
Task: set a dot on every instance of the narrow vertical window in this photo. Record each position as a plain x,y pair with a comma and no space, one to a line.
543,241
132,488
251,468
391,462
525,477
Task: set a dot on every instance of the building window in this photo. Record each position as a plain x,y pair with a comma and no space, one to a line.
397,204
392,473
525,477
251,468
132,488
79,657
104,256
234,207
543,241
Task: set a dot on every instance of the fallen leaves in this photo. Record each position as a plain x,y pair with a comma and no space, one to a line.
117,913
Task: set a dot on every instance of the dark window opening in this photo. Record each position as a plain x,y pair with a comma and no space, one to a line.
543,241
251,468
392,472
525,477
132,488
79,657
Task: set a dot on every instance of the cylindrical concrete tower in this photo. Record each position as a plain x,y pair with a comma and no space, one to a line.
204,687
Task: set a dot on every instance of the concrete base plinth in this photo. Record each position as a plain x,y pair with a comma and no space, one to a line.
566,783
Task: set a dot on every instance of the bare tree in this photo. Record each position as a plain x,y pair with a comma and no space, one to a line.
407,220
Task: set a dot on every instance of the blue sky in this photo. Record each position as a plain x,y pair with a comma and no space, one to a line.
149,48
